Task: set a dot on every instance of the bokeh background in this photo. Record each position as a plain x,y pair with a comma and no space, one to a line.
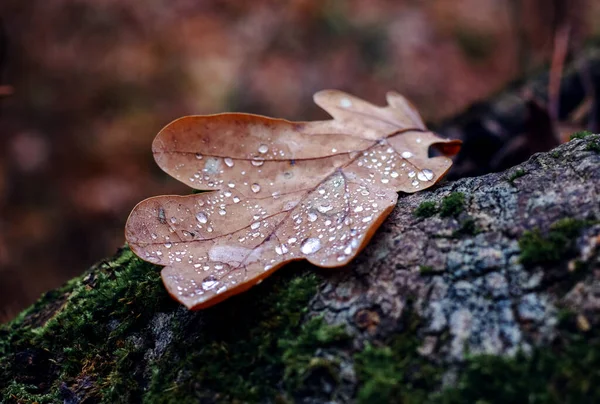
86,85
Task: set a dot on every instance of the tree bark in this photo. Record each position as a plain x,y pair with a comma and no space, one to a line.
480,268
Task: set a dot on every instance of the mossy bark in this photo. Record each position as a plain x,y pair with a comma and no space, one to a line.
493,295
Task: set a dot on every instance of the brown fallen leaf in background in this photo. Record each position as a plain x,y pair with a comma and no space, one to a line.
281,191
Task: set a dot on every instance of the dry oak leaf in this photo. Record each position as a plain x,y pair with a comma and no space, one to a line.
280,191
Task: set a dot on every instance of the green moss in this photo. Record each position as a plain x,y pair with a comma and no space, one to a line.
537,248
426,270
66,334
555,154
561,373
243,348
468,227
298,354
425,209
453,204
519,172
395,372
581,134
593,146
21,393
248,347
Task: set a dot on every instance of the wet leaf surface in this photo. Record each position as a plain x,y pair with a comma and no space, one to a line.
280,191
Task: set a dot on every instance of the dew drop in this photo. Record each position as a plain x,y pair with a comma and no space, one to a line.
394,174
168,245
415,183
231,185
292,240
281,249
255,188
358,209
210,282
255,225
411,174
236,199
201,217
227,194
324,208
310,246
198,156
228,162
312,216
345,103
258,163
406,154
263,148
222,212
385,180
173,220
367,219
153,236
348,250
425,175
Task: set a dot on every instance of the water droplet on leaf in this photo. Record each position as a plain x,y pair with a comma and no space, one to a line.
210,282
201,217
425,175
310,246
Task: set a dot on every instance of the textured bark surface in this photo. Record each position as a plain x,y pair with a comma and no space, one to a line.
471,282
462,274
456,273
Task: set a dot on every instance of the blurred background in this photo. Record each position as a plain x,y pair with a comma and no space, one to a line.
86,85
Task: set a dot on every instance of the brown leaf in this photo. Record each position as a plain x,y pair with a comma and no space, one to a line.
281,191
